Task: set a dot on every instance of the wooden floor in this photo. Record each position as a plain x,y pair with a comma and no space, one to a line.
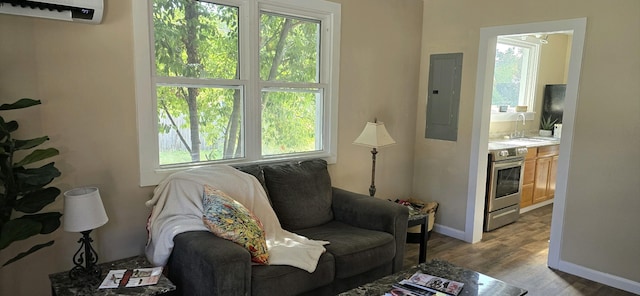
516,254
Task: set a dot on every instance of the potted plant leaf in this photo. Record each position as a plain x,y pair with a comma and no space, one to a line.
22,186
546,126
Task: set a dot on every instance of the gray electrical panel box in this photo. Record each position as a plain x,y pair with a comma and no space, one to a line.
443,96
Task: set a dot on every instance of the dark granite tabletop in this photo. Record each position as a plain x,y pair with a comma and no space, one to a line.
416,219
62,285
475,283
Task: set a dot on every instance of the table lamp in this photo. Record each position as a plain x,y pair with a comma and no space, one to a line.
83,212
374,135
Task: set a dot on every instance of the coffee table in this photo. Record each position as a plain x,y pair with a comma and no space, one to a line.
475,283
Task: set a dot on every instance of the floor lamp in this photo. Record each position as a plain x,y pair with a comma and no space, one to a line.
374,136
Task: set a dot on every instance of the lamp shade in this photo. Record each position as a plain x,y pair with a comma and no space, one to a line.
374,135
83,210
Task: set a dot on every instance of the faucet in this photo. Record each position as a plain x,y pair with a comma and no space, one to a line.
517,134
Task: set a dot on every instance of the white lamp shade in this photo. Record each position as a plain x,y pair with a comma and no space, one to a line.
83,210
374,135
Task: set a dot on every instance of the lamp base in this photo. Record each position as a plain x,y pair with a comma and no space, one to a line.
372,188
80,272
87,255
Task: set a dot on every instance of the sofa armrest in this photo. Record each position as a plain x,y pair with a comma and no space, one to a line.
203,264
372,213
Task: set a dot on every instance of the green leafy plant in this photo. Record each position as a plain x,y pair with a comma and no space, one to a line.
547,123
22,189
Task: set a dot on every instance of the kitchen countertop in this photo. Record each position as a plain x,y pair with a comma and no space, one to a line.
528,142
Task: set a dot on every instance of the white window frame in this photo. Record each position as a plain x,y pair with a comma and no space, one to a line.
529,86
329,13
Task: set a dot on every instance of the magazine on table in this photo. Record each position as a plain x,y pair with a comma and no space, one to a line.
433,283
131,277
395,291
402,289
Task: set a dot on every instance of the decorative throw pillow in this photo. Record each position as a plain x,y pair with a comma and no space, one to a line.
229,219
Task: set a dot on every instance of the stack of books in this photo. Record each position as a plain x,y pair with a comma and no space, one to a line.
422,284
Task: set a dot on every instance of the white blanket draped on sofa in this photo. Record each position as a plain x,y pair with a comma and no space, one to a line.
177,208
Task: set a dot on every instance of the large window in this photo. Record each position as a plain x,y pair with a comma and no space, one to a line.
515,73
234,81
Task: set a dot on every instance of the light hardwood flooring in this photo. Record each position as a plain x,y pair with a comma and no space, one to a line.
515,254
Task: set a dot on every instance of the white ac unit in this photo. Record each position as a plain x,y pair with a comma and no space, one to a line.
81,11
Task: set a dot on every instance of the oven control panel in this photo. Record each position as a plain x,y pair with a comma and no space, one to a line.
508,153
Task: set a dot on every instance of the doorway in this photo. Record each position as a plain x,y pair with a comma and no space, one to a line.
481,120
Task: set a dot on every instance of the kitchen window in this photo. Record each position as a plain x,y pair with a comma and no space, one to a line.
515,73
234,82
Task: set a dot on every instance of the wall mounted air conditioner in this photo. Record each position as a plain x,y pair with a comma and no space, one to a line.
81,11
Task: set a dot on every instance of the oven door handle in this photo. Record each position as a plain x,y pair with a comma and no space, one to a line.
508,164
505,213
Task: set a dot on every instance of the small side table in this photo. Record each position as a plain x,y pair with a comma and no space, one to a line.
422,237
62,285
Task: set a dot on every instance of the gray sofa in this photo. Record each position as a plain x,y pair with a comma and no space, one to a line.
367,238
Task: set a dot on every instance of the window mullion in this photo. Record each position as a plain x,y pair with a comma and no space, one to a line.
278,84
249,70
196,82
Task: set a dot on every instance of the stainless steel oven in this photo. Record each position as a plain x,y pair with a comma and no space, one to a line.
504,185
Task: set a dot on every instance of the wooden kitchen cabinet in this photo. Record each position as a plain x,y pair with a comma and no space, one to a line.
552,176
545,174
541,184
548,151
526,197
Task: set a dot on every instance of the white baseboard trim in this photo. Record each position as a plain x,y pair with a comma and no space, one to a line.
448,231
535,206
600,277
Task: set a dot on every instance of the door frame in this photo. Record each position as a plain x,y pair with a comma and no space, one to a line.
482,118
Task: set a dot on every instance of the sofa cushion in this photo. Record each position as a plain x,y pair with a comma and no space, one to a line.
229,219
356,250
300,193
287,280
256,171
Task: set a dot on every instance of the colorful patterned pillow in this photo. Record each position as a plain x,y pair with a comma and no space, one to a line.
229,219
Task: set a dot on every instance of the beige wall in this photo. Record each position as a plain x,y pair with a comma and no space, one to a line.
602,191
378,78
84,76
